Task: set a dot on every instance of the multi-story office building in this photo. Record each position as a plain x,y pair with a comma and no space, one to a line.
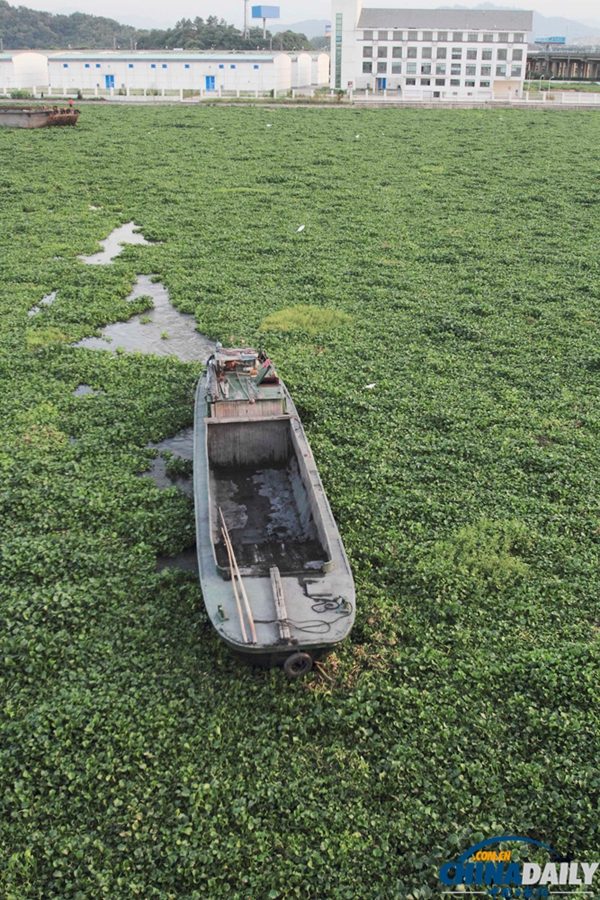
429,53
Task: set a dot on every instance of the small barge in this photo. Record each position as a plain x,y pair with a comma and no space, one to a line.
275,578
37,117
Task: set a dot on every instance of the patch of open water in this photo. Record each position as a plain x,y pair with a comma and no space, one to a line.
180,446
126,234
48,300
83,389
165,331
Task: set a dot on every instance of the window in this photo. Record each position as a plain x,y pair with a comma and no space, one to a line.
484,84
519,37
471,54
367,68
131,65
426,69
428,35
152,65
367,35
469,84
457,53
396,68
382,35
397,52
426,53
473,37
457,36
65,65
502,54
515,71
503,37
381,68
411,80
232,66
411,68
411,53
256,67
164,65
455,69
367,53
517,55
98,66
500,70
382,52
425,82
87,65
221,66
397,35
470,70
486,54
339,28
455,82
488,38
440,81
442,35
441,53
486,70
413,35
440,69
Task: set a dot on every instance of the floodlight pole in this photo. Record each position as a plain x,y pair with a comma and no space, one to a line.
246,32
264,29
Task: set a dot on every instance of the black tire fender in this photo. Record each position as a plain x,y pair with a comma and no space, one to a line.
298,664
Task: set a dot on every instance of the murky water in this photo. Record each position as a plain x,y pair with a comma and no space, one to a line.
167,333
84,389
181,446
48,300
164,331
126,234
187,560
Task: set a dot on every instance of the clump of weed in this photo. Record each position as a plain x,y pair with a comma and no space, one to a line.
485,554
40,337
310,319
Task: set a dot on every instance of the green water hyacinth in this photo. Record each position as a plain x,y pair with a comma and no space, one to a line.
137,758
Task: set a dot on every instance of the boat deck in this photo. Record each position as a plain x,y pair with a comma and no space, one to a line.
269,519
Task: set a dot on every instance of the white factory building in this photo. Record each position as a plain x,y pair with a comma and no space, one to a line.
152,71
425,54
171,71
302,65
23,70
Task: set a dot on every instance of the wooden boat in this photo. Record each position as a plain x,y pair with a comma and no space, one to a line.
36,117
274,573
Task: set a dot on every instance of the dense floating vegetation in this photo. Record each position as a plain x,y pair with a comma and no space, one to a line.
137,758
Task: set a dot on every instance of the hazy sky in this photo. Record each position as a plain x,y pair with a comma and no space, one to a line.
160,14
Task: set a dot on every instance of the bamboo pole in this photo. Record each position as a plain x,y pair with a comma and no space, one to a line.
235,592
239,577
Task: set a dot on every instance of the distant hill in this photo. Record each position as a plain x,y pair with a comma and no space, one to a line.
545,26
28,29
312,28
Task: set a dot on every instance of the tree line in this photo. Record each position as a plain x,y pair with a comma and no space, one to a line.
28,29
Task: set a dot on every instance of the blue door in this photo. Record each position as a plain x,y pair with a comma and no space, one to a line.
381,84
210,82
109,81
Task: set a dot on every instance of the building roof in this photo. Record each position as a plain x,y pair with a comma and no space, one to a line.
149,55
450,19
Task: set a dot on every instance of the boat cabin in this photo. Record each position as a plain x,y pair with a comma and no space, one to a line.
243,383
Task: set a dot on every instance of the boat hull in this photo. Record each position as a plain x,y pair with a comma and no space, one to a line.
39,118
262,475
